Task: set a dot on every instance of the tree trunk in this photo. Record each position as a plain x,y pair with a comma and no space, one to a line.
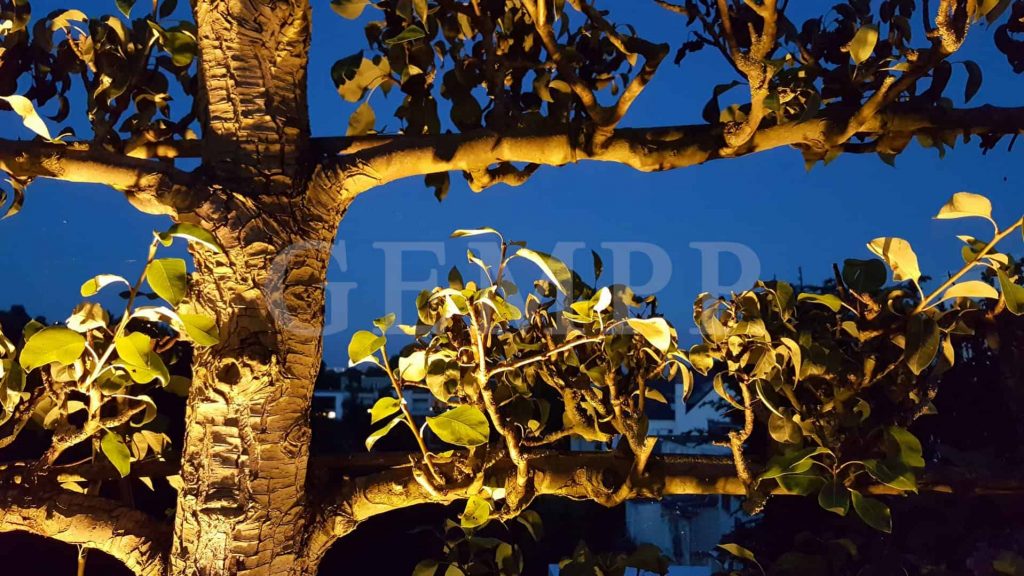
242,509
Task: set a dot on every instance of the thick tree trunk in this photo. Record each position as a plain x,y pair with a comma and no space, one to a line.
243,507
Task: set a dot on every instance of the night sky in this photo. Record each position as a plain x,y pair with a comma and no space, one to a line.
792,219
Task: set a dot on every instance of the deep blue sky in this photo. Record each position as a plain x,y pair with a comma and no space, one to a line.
791,218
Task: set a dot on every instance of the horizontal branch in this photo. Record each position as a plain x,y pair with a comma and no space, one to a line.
137,540
389,484
645,149
153,187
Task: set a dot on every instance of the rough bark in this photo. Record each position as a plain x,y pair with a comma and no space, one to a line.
137,540
244,462
245,453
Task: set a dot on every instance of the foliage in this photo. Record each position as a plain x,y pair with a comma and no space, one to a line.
575,360
91,380
835,379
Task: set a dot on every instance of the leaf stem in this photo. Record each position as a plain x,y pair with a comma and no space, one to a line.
924,304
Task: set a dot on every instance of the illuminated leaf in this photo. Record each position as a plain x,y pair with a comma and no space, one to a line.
738,551
383,408
971,289
863,43
52,344
97,283
361,121
1012,293
463,425
553,268
654,330
381,432
965,205
350,9
201,329
476,513
192,233
167,277
900,257
23,107
114,448
362,345
831,300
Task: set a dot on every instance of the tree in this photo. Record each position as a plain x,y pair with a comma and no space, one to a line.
530,84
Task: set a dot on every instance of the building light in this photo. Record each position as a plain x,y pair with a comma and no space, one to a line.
332,414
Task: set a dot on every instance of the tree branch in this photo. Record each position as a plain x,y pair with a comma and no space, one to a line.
137,540
581,476
645,149
152,187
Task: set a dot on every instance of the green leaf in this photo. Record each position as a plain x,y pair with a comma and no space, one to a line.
922,343
88,316
413,368
863,43
383,408
803,484
467,232
864,275
420,6
834,497
971,289
350,9
97,283
872,511
476,514
718,382
191,233
114,448
363,345
125,6
384,322
784,430
831,300
167,277
790,462
202,330
965,205
361,121
463,425
1012,293
134,348
148,414
654,330
381,432
23,107
739,552
973,79
52,344
553,268
905,447
900,257
892,473
408,35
